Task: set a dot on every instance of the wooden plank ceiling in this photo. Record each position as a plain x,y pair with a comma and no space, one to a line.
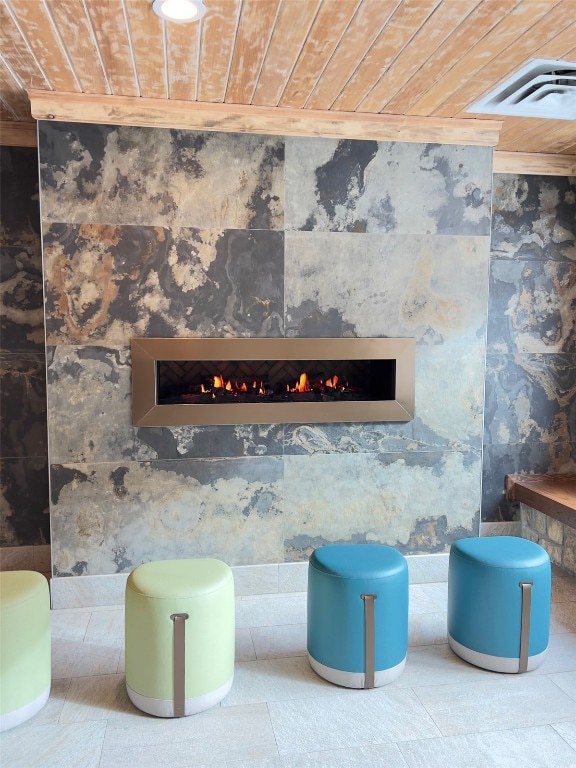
308,60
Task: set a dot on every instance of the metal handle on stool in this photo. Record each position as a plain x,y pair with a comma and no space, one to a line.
526,587
369,639
179,663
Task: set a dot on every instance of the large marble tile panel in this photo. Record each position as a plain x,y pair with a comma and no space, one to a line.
231,733
255,579
24,513
23,405
349,719
21,299
370,186
108,518
379,756
105,283
19,208
533,217
156,176
433,289
271,610
532,306
530,398
416,502
513,702
539,747
53,745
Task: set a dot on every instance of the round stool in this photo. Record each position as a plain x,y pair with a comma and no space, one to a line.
357,614
25,643
179,636
499,602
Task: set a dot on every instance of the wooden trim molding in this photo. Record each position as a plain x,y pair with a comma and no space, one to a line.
238,118
533,163
15,134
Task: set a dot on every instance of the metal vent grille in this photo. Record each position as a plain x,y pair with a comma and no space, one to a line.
544,88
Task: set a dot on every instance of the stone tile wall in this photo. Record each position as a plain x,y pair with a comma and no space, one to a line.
151,232
530,409
24,518
558,539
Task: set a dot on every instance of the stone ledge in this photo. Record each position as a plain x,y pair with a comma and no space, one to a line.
553,495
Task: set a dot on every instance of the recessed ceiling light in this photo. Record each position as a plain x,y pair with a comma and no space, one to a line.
179,11
544,88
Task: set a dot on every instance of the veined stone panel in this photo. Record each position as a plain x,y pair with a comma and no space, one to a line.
108,518
370,186
149,176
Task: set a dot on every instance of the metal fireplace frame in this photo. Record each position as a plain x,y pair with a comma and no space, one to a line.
146,352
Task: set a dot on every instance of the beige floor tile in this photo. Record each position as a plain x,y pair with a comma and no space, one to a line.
353,720
69,625
78,745
100,697
563,618
271,610
84,659
106,625
568,732
244,645
566,681
427,629
510,701
279,642
236,733
560,655
372,756
538,747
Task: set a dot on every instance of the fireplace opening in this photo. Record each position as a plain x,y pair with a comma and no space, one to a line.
279,381
271,381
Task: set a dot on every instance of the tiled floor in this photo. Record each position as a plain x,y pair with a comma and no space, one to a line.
439,712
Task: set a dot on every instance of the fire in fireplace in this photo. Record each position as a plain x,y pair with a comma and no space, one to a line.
239,381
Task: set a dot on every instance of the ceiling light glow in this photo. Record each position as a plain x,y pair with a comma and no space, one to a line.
179,11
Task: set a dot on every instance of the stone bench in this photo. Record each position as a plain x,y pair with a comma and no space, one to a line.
548,513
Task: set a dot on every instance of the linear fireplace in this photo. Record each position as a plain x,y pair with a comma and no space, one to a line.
271,381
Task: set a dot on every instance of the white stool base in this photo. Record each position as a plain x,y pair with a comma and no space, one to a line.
493,663
355,679
165,707
20,715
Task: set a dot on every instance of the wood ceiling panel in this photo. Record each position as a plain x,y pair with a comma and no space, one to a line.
556,136
75,30
17,54
37,27
183,57
146,33
397,33
254,32
474,27
110,28
521,17
329,26
359,37
436,29
218,34
546,39
293,23
14,99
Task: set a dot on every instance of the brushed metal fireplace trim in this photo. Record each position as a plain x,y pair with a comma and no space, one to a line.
146,352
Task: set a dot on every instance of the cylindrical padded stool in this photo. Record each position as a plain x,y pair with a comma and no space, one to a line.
25,674
499,602
179,635
357,614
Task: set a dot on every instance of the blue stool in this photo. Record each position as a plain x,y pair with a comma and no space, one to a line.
357,614
499,602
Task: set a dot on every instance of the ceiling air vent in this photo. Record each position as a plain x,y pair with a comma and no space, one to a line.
544,88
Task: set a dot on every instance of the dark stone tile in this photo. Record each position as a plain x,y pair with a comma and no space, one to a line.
106,284
19,206
154,176
23,400
215,441
24,515
532,306
534,217
22,302
530,398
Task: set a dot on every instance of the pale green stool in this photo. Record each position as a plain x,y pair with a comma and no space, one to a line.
25,637
179,636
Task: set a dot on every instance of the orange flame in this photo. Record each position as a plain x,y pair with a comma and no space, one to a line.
303,385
